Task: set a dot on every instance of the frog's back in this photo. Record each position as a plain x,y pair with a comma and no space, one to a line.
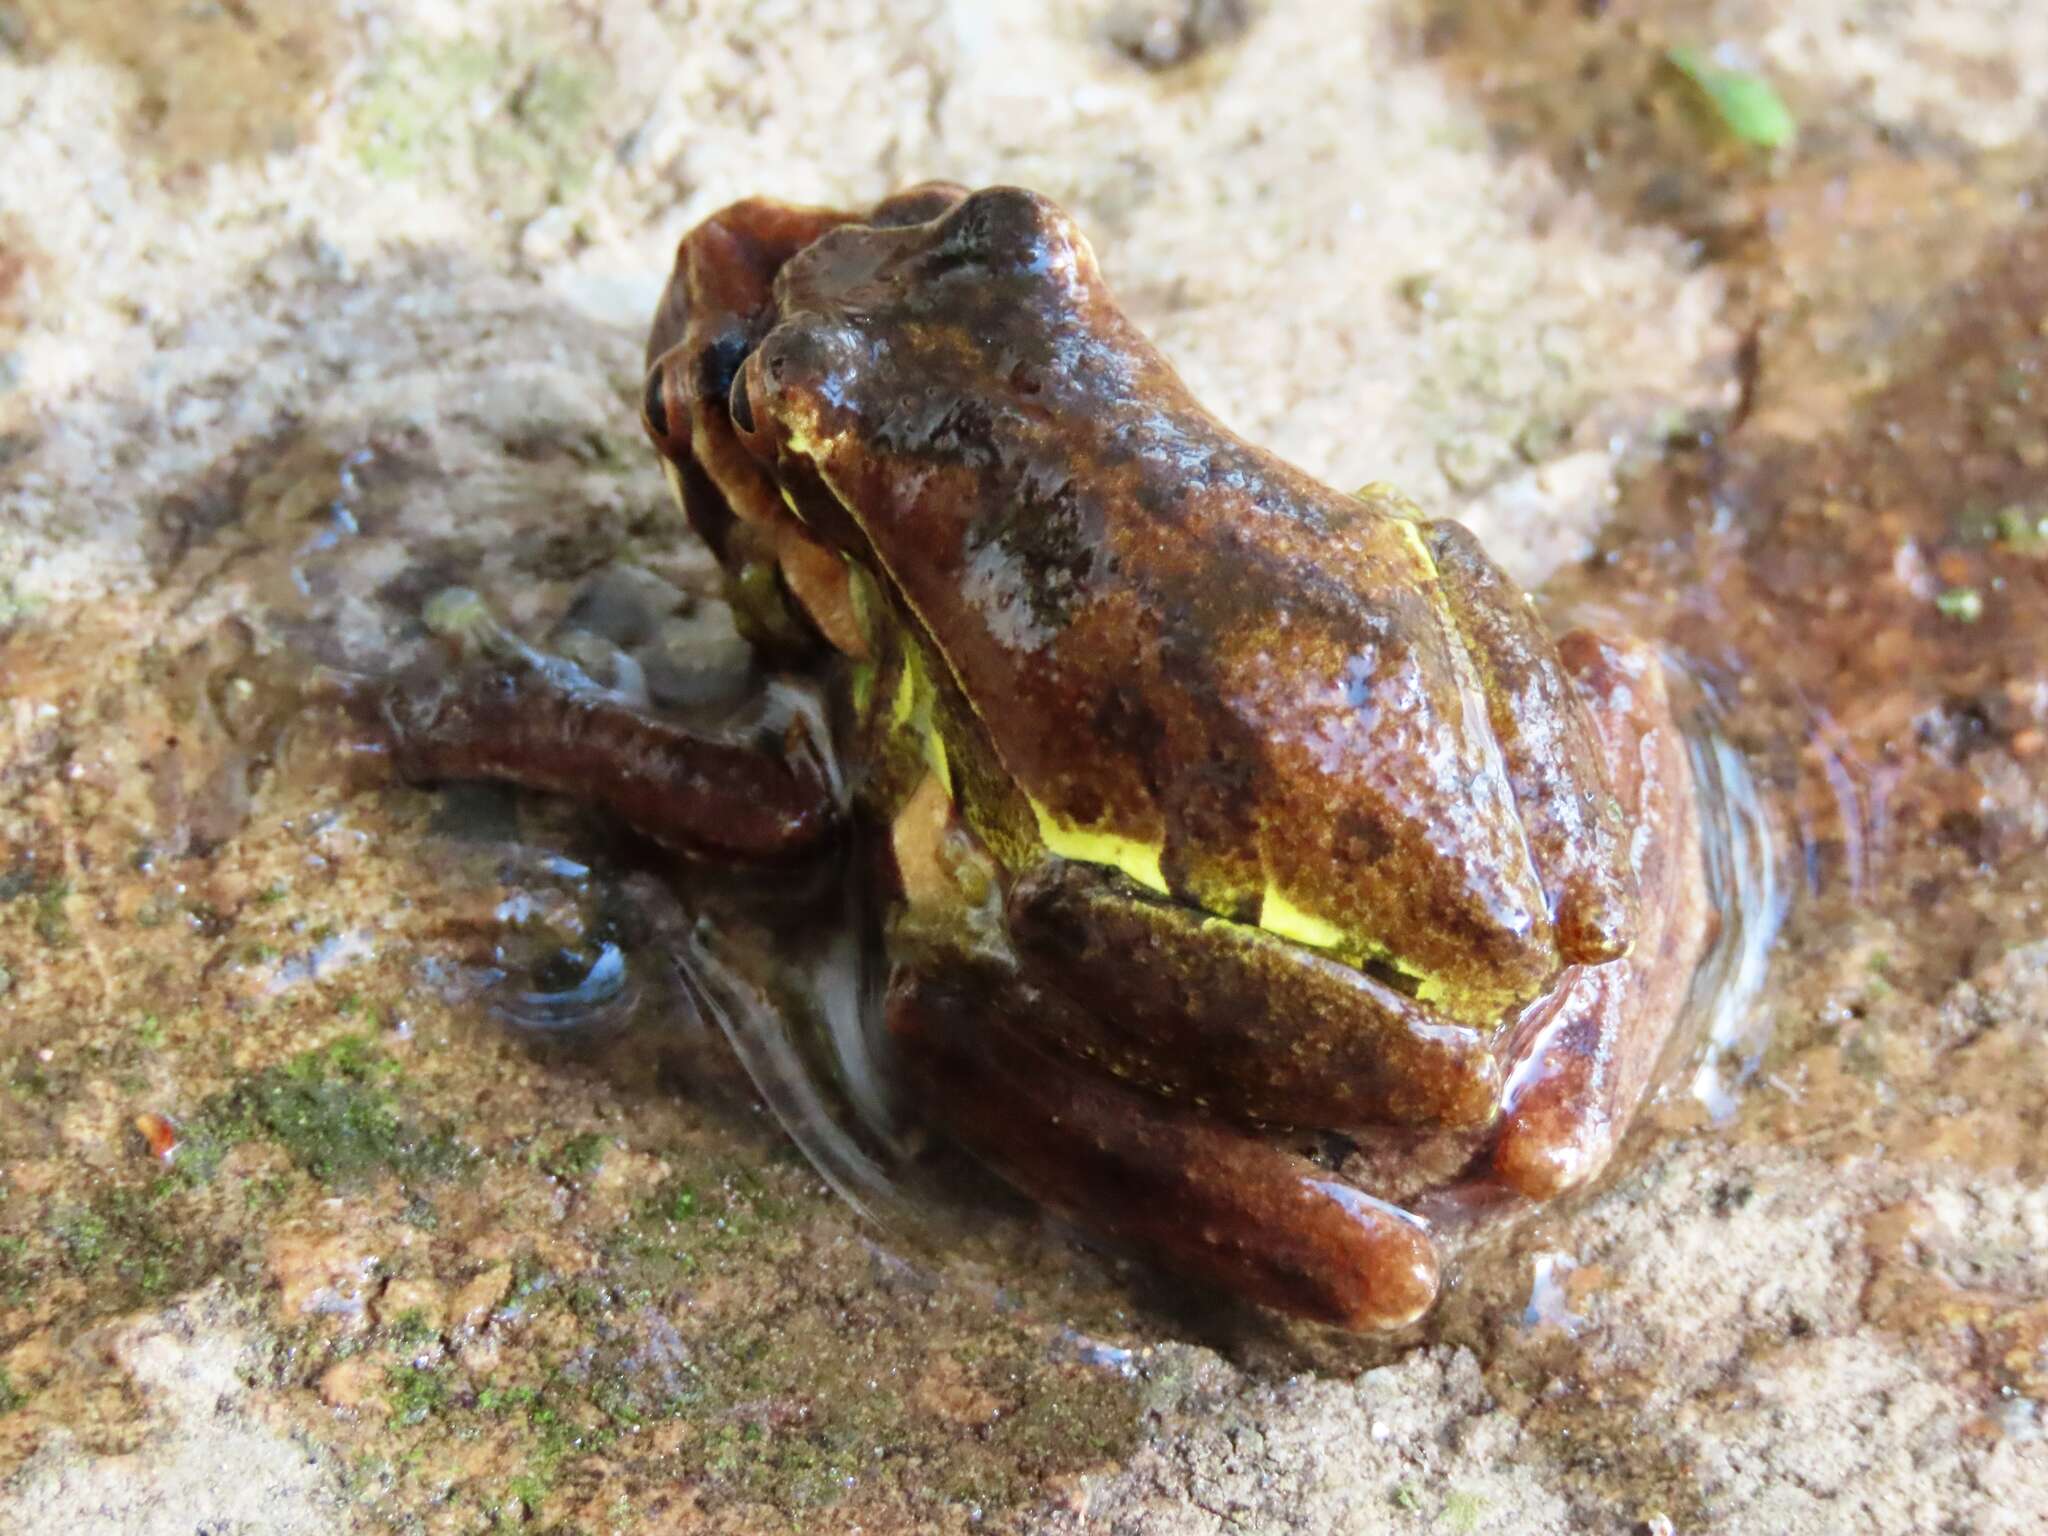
1185,651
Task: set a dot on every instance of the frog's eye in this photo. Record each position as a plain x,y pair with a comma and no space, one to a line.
654,405
741,404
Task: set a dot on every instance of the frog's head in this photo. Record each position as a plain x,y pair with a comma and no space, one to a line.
720,300
729,445
888,334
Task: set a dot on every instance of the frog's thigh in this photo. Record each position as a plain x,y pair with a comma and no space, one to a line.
1549,747
522,724
1577,1082
1230,1016
1201,1198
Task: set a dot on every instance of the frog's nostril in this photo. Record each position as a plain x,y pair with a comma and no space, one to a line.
654,405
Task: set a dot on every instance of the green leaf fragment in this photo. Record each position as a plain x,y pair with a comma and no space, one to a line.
1748,105
1963,604
2023,528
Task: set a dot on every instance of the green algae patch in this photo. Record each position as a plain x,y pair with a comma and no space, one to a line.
1462,1511
335,1112
46,901
407,115
1965,605
787,1416
720,1341
576,1159
520,113
130,1245
415,1393
2022,528
15,1273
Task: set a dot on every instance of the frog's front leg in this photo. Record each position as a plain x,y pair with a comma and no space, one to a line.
1200,1196
526,719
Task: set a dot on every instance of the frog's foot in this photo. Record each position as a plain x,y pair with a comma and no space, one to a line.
1200,1196
514,715
1584,1058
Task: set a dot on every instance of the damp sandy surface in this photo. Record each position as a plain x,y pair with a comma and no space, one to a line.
309,312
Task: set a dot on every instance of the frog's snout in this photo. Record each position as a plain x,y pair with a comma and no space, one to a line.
784,387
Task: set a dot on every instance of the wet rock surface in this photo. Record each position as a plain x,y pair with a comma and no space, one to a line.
312,1220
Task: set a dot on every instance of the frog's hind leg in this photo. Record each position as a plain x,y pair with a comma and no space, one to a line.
1237,1019
1568,811
1202,1198
528,720
1577,1074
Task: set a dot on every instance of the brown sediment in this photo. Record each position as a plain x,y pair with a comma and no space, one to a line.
1862,583
1871,609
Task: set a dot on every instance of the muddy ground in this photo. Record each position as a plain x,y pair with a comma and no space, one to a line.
1727,323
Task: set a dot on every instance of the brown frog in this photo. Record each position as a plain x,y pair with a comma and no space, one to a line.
1212,810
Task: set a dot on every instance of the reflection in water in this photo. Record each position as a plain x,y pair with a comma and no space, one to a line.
810,1039
1549,1300
1859,818
1745,860
601,994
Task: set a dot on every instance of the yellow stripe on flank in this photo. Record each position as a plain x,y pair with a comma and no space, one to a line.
1134,858
675,480
1284,920
795,511
1278,915
866,600
904,705
935,758
1421,549
911,710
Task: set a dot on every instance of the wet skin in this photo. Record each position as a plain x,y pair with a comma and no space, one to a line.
1208,805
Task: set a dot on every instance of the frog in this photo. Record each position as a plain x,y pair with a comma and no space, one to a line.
1265,889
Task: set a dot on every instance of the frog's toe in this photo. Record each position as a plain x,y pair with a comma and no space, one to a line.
1201,1198
1560,1130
